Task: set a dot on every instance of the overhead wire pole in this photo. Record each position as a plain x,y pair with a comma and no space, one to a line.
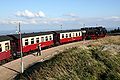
21,54
84,34
96,25
61,27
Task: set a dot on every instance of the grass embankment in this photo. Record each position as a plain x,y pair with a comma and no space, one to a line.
88,63
109,40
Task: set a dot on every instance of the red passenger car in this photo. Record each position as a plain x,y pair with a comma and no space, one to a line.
66,36
30,41
5,48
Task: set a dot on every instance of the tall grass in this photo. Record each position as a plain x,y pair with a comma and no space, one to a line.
110,40
76,64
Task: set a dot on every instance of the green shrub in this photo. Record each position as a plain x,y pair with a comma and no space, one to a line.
77,64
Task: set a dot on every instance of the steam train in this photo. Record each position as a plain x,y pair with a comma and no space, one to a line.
10,44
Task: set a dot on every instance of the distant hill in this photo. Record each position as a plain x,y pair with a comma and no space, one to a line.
115,30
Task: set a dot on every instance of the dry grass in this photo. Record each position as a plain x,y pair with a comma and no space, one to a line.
110,40
88,63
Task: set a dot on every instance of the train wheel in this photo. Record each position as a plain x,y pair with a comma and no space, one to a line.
0,62
3,61
57,43
24,54
10,59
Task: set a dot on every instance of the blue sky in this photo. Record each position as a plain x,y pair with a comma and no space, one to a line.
36,15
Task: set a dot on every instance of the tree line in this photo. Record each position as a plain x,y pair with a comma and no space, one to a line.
115,30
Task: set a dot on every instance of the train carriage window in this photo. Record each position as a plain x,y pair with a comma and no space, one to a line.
6,46
62,35
50,37
79,34
46,38
26,42
73,35
76,34
32,41
42,39
70,35
37,40
66,35
0,48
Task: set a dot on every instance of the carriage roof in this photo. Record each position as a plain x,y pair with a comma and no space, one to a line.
4,38
64,31
31,34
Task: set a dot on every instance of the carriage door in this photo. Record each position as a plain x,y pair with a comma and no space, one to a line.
56,38
13,47
83,35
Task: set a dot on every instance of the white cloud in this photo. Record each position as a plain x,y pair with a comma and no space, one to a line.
32,19
29,14
112,18
71,15
40,14
115,17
